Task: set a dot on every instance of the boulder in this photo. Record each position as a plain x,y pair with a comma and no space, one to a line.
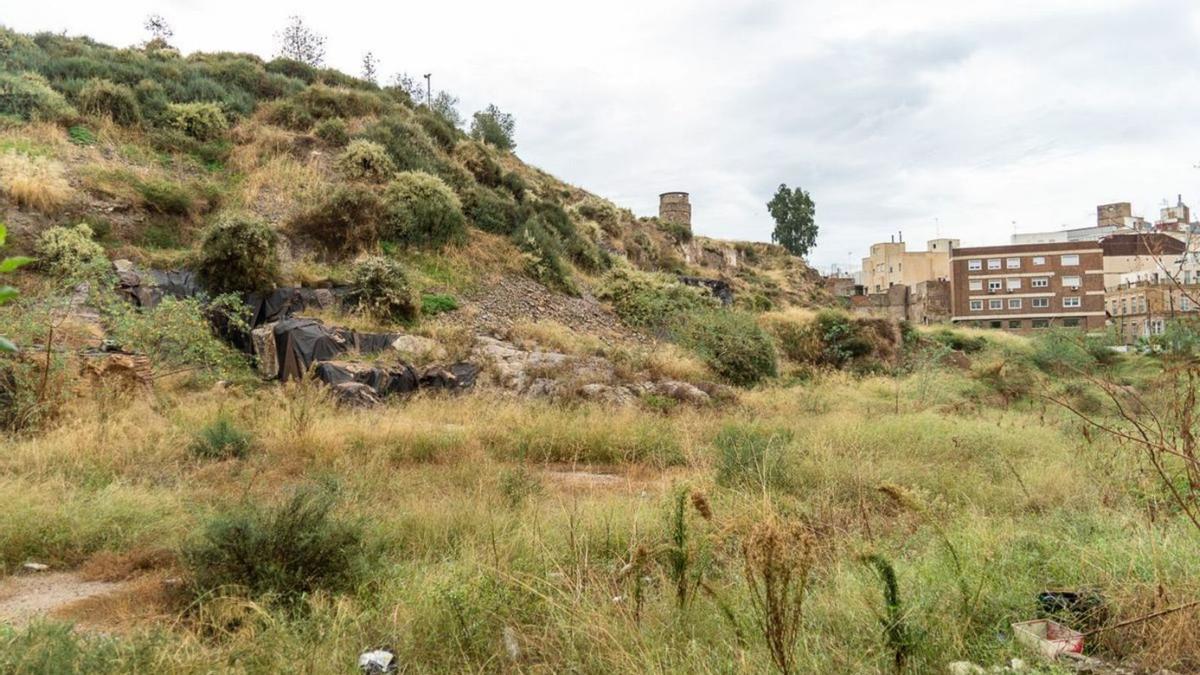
262,340
355,395
682,392
417,348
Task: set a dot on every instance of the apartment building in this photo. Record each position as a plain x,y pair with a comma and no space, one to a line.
1141,253
1110,219
1024,287
1142,309
891,264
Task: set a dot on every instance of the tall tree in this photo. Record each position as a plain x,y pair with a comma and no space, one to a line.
494,127
793,212
446,105
300,43
160,31
370,67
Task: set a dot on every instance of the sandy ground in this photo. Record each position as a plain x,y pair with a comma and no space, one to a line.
29,596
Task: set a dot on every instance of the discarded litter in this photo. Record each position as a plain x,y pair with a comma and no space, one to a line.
377,662
1048,638
35,567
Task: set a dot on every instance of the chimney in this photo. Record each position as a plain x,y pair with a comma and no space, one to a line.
901,234
893,238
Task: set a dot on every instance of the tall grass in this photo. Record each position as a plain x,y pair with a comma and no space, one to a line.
477,543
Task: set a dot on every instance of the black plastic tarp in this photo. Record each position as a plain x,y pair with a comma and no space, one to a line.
299,343
386,381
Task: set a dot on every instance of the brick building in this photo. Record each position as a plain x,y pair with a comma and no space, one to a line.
1143,308
1024,287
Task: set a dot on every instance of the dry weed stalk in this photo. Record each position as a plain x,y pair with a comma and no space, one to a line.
1162,430
778,560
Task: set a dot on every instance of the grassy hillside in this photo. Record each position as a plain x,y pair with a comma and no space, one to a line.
832,495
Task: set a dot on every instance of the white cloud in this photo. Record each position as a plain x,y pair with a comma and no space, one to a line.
892,115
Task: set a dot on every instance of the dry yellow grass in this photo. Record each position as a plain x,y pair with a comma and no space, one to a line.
37,183
282,186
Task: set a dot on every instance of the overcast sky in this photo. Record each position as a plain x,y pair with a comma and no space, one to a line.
921,116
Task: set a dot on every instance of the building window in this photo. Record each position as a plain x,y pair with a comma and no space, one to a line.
974,265
976,284
1072,282
1014,284
1014,303
1071,321
1014,325
1070,260
995,303
995,324
1013,263
1185,304
1039,260
1041,303
1072,301
1041,323
1040,282
994,285
976,305
1157,327
993,263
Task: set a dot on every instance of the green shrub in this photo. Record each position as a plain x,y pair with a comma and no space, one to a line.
177,334
153,102
489,211
494,127
423,211
840,337
1062,352
753,456
30,97
323,102
442,133
284,554
166,197
730,342
380,288
221,439
479,162
651,301
406,142
333,131
518,484
109,99
289,114
543,255
680,233
201,121
70,252
238,254
345,222
433,304
513,182
366,160
968,344
599,210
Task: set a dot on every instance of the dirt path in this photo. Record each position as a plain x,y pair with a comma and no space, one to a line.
26,597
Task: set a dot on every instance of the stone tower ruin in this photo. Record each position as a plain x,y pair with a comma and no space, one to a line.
674,207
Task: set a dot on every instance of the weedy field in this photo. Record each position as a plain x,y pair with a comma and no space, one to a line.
685,481
884,522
